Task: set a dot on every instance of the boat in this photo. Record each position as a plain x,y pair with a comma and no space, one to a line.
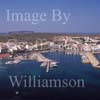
85,59
9,62
16,61
13,62
44,64
50,64
53,64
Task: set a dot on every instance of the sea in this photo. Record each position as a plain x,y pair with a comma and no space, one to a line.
69,67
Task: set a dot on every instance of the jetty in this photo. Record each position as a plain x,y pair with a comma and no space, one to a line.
39,57
93,60
46,62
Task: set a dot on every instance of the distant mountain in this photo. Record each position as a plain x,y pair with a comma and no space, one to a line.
3,33
21,32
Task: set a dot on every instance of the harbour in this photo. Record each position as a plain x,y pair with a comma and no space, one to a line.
70,62
17,51
70,68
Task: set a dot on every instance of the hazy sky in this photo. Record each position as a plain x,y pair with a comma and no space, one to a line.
85,15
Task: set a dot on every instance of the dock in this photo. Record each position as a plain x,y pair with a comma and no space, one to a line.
46,62
40,58
93,60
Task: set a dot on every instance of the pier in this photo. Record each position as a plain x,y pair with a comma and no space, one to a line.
47,63
38,57
93,60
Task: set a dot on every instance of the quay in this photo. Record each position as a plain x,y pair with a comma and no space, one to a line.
93,60
47,63
40,58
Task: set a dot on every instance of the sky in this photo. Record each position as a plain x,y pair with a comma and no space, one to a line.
84,15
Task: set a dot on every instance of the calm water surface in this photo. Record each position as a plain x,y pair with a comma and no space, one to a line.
69,67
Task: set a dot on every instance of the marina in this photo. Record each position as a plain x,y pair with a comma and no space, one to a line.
49,50
45,62
69,60
17,51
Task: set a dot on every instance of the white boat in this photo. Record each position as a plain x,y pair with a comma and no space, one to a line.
44,64
52,64
12,62
84,59
16,61
9,62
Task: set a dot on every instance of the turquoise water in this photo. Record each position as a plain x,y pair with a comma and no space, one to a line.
69,67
